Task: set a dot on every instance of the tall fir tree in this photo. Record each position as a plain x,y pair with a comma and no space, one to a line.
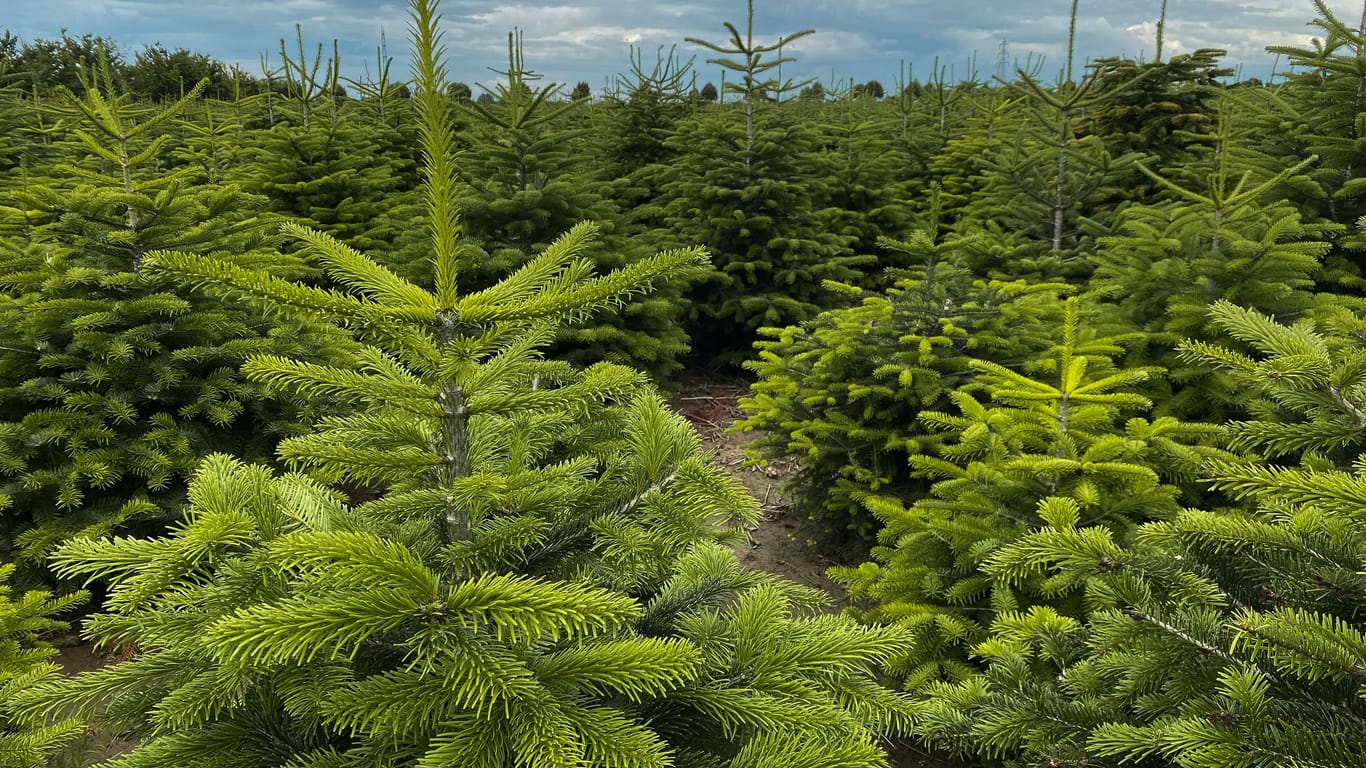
526,175
1227,236
1047,181
1322,116
538,580
744,185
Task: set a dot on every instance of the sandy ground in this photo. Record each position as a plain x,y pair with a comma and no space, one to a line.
775,544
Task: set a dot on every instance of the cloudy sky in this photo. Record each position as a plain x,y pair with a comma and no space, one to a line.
589,39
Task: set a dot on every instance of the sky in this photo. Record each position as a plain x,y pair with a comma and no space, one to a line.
590,40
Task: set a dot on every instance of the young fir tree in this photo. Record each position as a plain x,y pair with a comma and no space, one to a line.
745,185
114,382
957,168
1227,237
26,662
522,182
1066,436
1048,180
932,113
842,391
863,197
1155,109
1229,638
526,175
1322,116
635,130
322,163
537,581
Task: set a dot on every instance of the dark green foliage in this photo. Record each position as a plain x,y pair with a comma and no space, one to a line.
525,177
1323,110
459,91
50,65
872,89
336,165
161,75
750,198
522,182
865,193
114,383
344,177
743,185
1154,108
1228,239
638,125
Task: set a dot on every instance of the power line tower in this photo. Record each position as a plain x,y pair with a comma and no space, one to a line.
1003,60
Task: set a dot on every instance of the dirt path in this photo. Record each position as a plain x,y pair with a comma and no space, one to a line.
776,544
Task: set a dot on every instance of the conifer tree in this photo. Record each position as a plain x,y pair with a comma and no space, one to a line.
383,94
1047,180
1155,108
1221,638
521,181
1066,437
1225,236
744,185
956,169
327,162
536,579
865,190
525,176
25,662
637,126
113,382
1325,103
842,392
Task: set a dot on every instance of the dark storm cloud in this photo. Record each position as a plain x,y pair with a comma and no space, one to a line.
856,39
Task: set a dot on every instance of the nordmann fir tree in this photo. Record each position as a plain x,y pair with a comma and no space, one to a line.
325,165
113,382
841,392
1046,179
1224,236
1324,115
1212,639
521,182
1155,109
865,187
525,176
26,661
1065,436
745,185
538,581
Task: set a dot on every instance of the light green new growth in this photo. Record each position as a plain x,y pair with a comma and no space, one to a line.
484,558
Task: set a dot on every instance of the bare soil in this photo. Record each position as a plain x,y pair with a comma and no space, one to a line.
98,743
776,544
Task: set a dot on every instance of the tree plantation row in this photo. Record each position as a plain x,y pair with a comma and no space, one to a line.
335,414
